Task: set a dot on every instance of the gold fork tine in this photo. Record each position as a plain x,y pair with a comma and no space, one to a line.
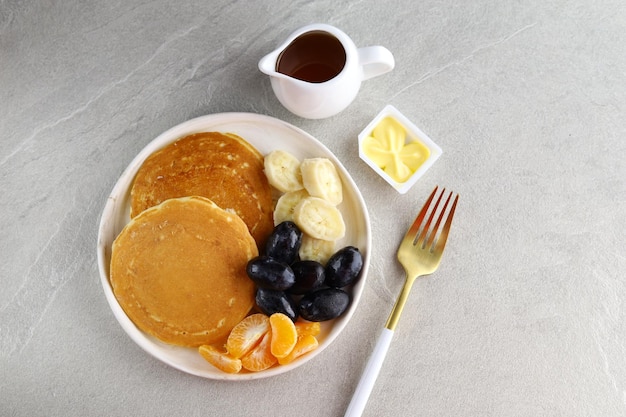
427,237
431,237
440,244
413,233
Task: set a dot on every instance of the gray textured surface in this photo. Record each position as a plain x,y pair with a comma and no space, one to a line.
527,314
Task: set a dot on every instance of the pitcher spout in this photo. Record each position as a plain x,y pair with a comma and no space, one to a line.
267,64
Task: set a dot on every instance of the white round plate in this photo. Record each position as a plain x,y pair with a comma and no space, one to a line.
266,134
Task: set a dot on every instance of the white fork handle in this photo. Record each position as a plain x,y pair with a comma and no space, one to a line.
364,388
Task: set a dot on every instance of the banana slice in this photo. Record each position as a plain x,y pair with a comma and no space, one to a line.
318,250
321,179
319,219
286,204
283,171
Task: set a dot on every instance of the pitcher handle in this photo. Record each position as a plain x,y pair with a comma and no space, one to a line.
375,61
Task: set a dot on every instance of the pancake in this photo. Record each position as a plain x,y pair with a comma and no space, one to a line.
178,270
222,167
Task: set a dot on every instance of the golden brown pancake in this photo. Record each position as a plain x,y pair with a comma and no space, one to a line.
222,167
178,270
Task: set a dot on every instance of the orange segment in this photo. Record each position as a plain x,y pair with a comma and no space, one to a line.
304,345
304,327
284,335
260,357
221,360
247,334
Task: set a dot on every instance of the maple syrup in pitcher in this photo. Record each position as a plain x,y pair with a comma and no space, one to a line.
315,57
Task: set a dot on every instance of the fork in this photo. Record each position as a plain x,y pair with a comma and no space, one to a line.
420,254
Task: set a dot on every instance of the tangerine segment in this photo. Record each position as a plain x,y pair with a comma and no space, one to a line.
221,360
247,334
304,327
260,357
284,335
304,345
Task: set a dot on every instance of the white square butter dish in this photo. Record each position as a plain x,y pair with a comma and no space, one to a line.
397,149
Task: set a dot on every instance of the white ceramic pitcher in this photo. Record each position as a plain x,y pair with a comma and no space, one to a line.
318,70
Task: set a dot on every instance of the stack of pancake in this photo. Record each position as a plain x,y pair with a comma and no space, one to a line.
200,209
